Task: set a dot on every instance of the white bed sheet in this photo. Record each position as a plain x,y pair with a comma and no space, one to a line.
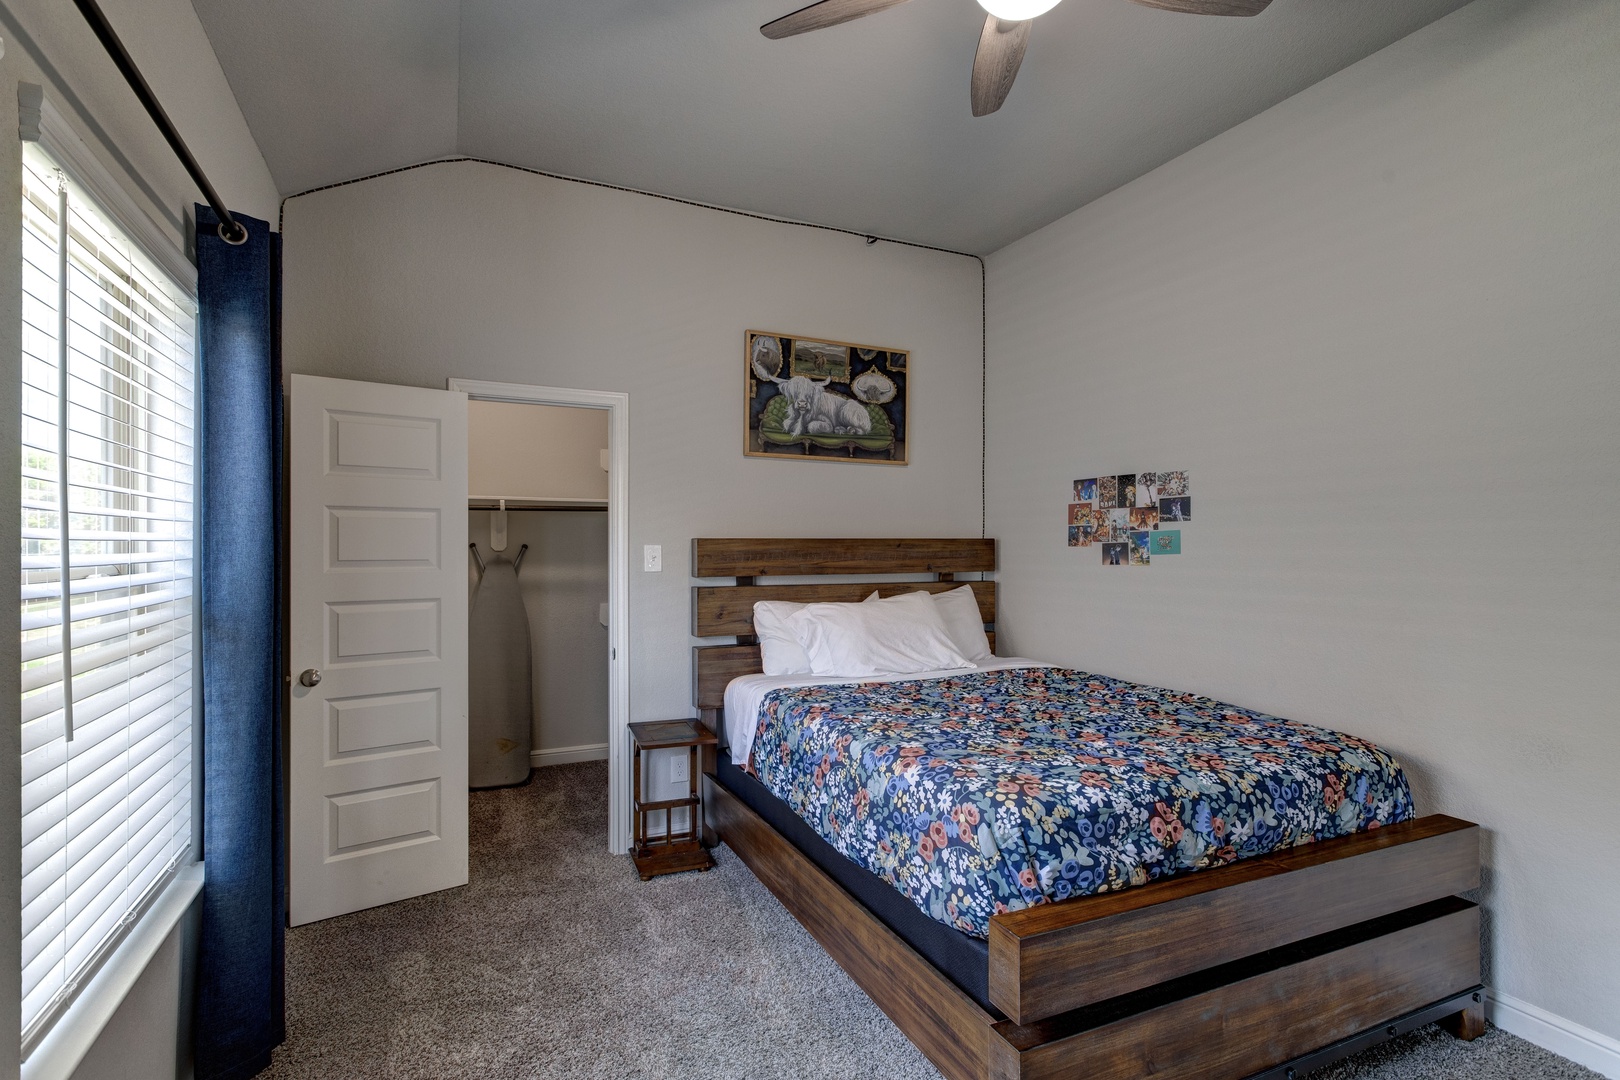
746,693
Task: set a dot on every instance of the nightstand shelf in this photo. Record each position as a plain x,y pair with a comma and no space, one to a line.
672,852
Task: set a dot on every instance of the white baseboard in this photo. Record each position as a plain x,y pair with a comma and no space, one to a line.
1565,1038
567,755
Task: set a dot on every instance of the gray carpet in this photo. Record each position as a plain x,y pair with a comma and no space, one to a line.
556,961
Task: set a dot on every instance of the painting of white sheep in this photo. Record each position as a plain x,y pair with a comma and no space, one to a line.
806,417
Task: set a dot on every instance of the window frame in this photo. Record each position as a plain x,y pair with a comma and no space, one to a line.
71,1025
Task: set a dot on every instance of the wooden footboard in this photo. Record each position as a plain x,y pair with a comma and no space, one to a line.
1322,995
1052,958
1241,1019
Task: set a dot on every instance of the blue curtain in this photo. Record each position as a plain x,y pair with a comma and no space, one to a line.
239,1015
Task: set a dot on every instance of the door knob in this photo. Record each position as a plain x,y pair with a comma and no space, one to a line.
310,677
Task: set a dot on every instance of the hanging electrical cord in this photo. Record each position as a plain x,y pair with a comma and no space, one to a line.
230,230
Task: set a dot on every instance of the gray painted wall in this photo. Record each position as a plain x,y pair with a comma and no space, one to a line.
563,579
1378,325
475,271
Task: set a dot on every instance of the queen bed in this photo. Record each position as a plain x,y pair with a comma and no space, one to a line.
1039,872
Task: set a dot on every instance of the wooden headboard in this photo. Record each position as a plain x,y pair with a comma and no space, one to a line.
728,610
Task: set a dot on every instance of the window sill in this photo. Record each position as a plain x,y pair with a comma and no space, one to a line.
76,1030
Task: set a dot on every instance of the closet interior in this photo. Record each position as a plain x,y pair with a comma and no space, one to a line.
537,527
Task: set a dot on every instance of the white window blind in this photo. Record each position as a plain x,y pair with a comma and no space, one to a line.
108,343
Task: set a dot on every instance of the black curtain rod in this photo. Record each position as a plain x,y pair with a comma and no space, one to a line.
230,230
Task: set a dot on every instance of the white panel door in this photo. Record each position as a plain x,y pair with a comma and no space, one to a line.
377,776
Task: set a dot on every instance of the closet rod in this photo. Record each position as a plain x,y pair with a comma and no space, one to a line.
230,230
510,509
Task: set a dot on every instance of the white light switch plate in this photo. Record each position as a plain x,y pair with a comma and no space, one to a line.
652,558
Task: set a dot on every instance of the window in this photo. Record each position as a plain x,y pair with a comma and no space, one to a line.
108,403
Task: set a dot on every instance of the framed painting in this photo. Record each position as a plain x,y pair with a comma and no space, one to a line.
821,400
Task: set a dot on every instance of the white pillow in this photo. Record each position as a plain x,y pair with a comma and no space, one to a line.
779,650
959,610
898,636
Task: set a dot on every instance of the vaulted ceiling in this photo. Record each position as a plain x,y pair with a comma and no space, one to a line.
864,126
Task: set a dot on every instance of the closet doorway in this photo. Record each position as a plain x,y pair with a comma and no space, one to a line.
546,506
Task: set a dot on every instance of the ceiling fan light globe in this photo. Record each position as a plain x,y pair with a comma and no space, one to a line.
1017,10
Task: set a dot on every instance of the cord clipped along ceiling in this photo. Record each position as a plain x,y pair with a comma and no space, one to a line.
865,126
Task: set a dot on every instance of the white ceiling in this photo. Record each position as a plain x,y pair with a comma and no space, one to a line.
864,126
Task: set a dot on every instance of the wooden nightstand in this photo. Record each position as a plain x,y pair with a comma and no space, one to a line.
672,852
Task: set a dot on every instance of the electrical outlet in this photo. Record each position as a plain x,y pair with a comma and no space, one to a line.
652,558
678,766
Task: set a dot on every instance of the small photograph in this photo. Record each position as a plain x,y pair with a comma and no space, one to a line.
1144,517
1085,490
1141,541
1166,542
1119,523
1127,489
1087,534
1172,484
1080,513
1147,489
1116,554
1074,536
873,387
1107,491
820,360
1176,509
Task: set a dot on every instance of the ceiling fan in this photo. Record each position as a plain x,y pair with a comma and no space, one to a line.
1001,42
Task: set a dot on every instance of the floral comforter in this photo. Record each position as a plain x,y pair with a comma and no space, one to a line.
993,791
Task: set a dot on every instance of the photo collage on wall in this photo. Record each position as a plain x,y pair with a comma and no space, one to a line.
1132,516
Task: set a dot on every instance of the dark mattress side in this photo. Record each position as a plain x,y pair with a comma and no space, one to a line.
964,959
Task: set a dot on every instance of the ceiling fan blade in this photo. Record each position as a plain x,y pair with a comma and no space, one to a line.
995,65
1209,7
820,16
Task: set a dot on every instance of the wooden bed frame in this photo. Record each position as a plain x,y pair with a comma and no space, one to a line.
1267,967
